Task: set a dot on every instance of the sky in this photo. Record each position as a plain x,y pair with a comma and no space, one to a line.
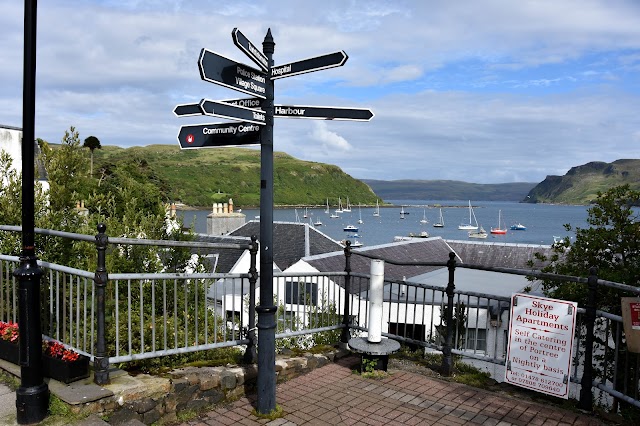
484,91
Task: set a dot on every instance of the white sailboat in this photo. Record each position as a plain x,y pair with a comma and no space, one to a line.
339,209
472,225
376,212
440,223
360,212
306,213
424,217
327,209
402,212
348,208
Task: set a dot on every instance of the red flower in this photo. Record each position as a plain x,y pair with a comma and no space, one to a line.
9,331
56,349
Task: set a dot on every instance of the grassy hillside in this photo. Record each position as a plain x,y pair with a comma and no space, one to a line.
202,177
581,184
448,190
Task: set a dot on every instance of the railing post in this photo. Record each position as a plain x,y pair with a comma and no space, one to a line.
447,358
586,396
346,317
250,355
100,359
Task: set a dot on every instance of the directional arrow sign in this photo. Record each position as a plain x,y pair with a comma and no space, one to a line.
318,63
233,112
249,49
217,69
220,134
323,113
185,110
246,102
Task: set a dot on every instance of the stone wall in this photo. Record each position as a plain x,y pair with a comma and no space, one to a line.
152,399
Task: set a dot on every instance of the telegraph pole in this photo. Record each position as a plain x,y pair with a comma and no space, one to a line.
32,397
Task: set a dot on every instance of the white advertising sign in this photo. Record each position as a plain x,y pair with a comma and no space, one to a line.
540,347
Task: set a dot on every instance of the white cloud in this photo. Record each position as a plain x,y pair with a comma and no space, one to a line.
483,91
329,140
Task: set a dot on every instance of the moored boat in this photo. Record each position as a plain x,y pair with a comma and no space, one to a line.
499,230
472,225
480,233
518,227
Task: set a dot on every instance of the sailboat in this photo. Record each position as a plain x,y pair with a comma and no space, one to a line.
499,230
306,213
481,233
402,212
424,217
318,222
440,223
339,209
348,208
360,213
470,226
376,212
327,209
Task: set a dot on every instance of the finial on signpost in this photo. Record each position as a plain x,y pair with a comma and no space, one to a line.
268,45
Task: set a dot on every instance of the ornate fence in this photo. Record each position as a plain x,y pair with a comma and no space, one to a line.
121,317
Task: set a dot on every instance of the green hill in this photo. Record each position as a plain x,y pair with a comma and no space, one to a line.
581,184
448,190
201,177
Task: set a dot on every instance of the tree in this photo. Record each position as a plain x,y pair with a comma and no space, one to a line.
92,143
611,244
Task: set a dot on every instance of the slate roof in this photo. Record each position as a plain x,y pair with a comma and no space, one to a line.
505,255
428,250
226,257
291,241
418,250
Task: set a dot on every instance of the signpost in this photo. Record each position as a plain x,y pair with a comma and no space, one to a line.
219,134
187,110
218,69
245,102
323,113
249,49
335,59
540,350
233,112
256,114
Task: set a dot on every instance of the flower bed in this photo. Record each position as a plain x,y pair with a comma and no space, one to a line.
58,362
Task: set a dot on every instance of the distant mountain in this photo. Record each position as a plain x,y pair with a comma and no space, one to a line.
448,190
581,184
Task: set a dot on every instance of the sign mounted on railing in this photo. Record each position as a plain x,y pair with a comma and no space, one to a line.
540,347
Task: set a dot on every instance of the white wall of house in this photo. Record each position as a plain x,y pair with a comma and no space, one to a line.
11,142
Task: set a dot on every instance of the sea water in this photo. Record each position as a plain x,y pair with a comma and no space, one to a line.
544,222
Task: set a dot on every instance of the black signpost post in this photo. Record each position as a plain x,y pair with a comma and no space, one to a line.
256,115
32,397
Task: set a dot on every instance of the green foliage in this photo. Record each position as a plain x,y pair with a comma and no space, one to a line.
611,244
202,177
128,197
583,184
458,329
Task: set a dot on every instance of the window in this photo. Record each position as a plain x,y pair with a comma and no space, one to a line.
476,339
300,293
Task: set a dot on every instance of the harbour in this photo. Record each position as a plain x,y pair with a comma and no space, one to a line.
544,222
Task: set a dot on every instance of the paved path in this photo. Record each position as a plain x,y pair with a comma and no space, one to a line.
334,395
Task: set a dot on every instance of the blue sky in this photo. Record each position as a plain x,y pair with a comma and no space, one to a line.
480,91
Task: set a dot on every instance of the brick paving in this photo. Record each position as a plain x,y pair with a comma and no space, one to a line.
334,395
